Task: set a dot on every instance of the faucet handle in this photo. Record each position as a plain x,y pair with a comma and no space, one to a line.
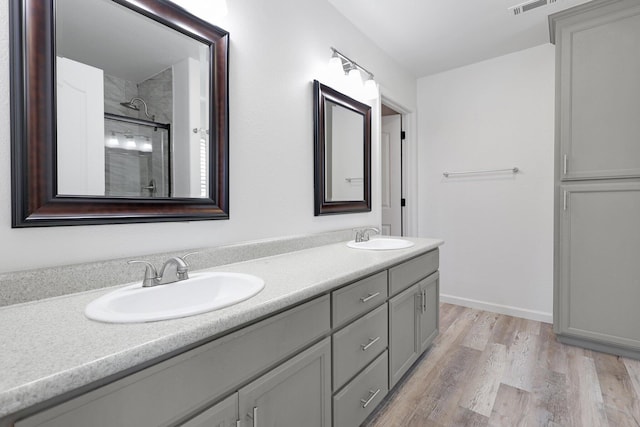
150,272
365,233
184,257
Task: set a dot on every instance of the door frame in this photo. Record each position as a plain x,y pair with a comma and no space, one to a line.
409,162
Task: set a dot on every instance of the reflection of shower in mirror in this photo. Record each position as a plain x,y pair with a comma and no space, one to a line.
131,105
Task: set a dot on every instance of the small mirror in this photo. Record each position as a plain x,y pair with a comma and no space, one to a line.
120,113
342,139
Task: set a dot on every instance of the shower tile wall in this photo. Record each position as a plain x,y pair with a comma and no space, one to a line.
117,90
158,92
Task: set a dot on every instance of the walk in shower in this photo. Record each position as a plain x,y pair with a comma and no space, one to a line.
137,157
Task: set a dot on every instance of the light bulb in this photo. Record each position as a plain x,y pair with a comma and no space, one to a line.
355,80
130,144
370,88
112,141
335,67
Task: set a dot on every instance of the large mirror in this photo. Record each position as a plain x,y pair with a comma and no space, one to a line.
342,137
119,113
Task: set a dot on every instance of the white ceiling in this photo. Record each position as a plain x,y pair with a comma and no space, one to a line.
430,36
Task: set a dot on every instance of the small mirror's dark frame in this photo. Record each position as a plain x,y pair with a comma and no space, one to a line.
33,126
321,94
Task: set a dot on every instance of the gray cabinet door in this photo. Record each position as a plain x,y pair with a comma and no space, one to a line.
223,414
599,267
404,347
296,393
429,310
599,90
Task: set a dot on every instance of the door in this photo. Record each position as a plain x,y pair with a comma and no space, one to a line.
599,268
81,138
391,157
223,414
403,333
428,310
296,393
600,95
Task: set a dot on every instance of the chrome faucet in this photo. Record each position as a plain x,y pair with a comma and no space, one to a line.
175,269
363,234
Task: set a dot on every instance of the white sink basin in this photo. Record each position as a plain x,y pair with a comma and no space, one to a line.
381,244
202,292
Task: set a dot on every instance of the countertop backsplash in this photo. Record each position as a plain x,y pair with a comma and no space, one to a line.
31,285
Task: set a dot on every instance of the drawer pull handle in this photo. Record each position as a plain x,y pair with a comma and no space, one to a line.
373,394
238,423
369,297
372,341
254,417
424,300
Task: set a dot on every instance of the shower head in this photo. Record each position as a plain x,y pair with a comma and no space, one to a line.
131,105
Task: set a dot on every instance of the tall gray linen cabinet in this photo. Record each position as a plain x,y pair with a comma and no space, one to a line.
597,176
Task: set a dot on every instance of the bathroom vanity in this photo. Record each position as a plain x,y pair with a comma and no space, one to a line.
332,332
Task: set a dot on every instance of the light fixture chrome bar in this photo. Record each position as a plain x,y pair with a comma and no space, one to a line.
512,170
351,61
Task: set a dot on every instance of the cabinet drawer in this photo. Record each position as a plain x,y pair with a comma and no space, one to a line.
176,388
361,396
406,274
358,344
358,298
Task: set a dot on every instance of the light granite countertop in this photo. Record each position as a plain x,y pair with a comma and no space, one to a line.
49,347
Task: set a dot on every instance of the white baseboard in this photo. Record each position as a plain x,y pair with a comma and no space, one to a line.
539,316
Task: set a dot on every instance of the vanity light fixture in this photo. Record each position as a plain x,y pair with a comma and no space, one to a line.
340,64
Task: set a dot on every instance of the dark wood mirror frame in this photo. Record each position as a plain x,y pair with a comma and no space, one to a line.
33,126
321,94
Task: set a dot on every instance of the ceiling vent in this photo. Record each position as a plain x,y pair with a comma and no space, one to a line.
529,5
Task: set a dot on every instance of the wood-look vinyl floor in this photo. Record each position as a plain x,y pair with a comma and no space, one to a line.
487,369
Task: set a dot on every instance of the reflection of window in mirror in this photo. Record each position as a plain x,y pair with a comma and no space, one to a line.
344,149
132,105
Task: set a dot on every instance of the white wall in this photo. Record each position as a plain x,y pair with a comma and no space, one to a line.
498,229
277,48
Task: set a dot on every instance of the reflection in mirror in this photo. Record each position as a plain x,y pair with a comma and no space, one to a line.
342,152
119,112
130,91
344,133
